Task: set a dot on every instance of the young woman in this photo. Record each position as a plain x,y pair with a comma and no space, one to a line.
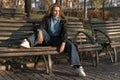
53,32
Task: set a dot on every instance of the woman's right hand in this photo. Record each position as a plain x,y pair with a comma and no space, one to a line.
40,37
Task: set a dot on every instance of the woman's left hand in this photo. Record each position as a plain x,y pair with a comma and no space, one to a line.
62,47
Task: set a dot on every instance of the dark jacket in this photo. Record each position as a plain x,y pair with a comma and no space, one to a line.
63,27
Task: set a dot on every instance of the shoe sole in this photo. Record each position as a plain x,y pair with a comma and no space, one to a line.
22,47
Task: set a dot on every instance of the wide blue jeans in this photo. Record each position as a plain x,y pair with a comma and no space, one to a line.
70,48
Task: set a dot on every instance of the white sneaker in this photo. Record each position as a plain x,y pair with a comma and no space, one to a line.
80,71
25,44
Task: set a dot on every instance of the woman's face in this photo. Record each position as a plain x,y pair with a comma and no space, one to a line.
56,12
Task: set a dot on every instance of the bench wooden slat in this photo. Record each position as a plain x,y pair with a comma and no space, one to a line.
8,43
11,12
89,49
12,29
13,24
75,23
115,44
75,30
112,35
74,26
13,21
107,28
35,49
27,53
88,45
12,38
22,33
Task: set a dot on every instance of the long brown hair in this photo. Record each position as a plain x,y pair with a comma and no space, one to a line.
49,11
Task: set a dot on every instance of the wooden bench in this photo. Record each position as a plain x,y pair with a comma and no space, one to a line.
13,32
107,33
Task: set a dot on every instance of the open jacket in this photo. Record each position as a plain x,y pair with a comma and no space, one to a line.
63,27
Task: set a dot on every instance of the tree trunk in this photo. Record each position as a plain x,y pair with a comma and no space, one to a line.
28,7
85,10
0,3
59,2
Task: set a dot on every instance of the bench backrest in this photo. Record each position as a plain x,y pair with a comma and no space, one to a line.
9,10
12,32
111,28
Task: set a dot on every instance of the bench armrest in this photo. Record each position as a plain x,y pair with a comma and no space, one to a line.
100,31
87,35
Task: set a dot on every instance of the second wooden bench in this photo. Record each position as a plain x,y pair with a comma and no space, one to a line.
107,33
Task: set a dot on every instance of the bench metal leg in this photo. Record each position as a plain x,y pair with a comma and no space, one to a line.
50,64
115,55
97,58
46,64
110,54
36,58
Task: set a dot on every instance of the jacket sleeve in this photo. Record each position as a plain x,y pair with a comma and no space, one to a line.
64,34
42,25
